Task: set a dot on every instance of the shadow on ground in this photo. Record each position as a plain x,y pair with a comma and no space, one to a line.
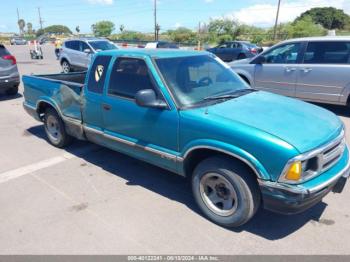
336,109
265,224
4,97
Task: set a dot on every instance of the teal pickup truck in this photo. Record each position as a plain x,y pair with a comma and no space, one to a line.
188,112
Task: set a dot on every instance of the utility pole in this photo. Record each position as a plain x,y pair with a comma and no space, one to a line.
40,20
18,21
155,21
276,22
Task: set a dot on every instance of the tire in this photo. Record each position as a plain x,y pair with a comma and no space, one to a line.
12,91
226,191
66,67
55,129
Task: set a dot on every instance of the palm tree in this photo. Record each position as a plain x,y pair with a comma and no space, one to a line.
22,25
121,28
30,28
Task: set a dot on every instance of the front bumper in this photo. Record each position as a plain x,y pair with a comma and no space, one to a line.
292,199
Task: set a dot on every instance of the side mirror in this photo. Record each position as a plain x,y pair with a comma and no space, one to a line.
87,51
259,60
148,98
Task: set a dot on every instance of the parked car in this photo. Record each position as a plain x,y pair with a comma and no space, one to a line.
236,50
188,112
313,69
161,44
76,54
46,40
18,41
9,76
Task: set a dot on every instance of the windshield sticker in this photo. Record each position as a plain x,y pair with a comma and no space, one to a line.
99,72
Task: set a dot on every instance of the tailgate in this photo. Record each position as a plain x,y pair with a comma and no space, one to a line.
6,66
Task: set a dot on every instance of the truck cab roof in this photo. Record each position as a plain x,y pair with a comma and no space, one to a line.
153,53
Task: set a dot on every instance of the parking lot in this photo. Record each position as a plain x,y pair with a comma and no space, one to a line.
91,200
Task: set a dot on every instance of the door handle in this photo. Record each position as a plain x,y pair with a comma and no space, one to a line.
106,107
306,70
290,69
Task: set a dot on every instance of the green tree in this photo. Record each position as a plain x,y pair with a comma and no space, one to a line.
21,25
328,17
183,35
30,28
103,28
57,29
222,28
304,27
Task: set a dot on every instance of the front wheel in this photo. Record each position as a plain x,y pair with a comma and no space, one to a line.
226,191
55,129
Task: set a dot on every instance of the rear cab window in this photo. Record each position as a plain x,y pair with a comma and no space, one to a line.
97,76
327,52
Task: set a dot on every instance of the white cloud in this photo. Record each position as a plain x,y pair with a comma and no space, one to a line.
177,25
265,14
102,2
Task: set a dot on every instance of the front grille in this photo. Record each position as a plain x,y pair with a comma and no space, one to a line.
331,154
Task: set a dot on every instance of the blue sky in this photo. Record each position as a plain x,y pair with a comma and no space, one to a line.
138,14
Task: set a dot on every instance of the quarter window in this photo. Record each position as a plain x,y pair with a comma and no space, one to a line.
285,54
73,45
327,53
129,75
98,73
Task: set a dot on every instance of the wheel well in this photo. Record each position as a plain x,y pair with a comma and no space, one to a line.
245,78
198,155
64,59
42,107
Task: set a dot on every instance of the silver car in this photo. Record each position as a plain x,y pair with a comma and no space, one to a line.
75,54
9,76
312,69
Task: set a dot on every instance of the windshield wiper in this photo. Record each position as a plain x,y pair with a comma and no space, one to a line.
235,94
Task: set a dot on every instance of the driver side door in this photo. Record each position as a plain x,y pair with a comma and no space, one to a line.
278,73
150,134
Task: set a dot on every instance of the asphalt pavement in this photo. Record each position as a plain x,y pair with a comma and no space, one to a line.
86,199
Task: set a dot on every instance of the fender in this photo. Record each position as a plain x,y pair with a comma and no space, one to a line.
345,96
245,73
228,149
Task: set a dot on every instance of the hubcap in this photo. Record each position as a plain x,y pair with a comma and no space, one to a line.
218,194
65,67
53,129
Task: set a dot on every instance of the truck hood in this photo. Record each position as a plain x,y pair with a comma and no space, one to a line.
302,125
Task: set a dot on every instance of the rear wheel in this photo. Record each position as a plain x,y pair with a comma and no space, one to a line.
66,67
12,91
55,129
226,191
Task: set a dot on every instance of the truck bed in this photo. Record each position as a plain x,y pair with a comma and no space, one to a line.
63,90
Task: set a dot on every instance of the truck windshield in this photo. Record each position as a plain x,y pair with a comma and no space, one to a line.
102,45
194,79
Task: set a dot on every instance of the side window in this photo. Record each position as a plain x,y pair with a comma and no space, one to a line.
129,75
327,53
84,46
74,45
68,44
285,54
224,46
97,75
